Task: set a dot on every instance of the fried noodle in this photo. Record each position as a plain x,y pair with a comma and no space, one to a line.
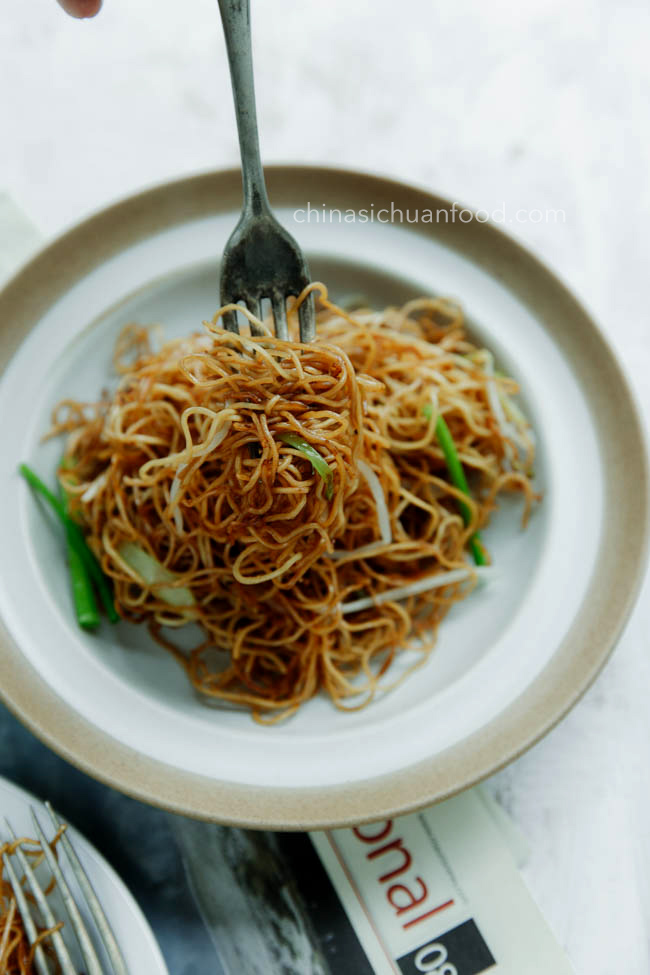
16,953
193,460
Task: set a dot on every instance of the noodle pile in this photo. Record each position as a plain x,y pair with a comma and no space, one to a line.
196,461
16,953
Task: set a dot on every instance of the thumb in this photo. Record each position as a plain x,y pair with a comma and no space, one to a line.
81,8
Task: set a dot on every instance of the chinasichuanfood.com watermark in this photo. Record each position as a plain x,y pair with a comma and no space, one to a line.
452,214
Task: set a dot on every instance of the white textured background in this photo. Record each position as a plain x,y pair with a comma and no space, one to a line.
535,105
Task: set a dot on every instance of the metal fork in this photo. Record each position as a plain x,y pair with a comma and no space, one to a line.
261,260
91,961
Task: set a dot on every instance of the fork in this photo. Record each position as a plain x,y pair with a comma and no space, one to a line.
91,961
261,260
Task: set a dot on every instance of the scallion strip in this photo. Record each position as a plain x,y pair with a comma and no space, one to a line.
458,479
76,540
93,568
95,572
320,465
83,594
90,561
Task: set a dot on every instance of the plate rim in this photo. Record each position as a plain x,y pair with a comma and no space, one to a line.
567,675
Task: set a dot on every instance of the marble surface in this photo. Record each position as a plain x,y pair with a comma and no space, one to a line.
536,106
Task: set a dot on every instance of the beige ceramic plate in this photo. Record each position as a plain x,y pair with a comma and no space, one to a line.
510,661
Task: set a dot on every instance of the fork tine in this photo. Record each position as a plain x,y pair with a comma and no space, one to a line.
307,316
280,316
254,306
28,923
90,956
229,319
48,918
100,918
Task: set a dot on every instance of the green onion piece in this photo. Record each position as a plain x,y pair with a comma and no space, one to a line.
93,568
95,572
458,479
321,466
82,589
152,573
76,540
91,562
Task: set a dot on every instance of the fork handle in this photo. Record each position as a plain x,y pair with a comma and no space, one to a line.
235,16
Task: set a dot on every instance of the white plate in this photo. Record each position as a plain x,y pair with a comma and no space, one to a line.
136,940
509,661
